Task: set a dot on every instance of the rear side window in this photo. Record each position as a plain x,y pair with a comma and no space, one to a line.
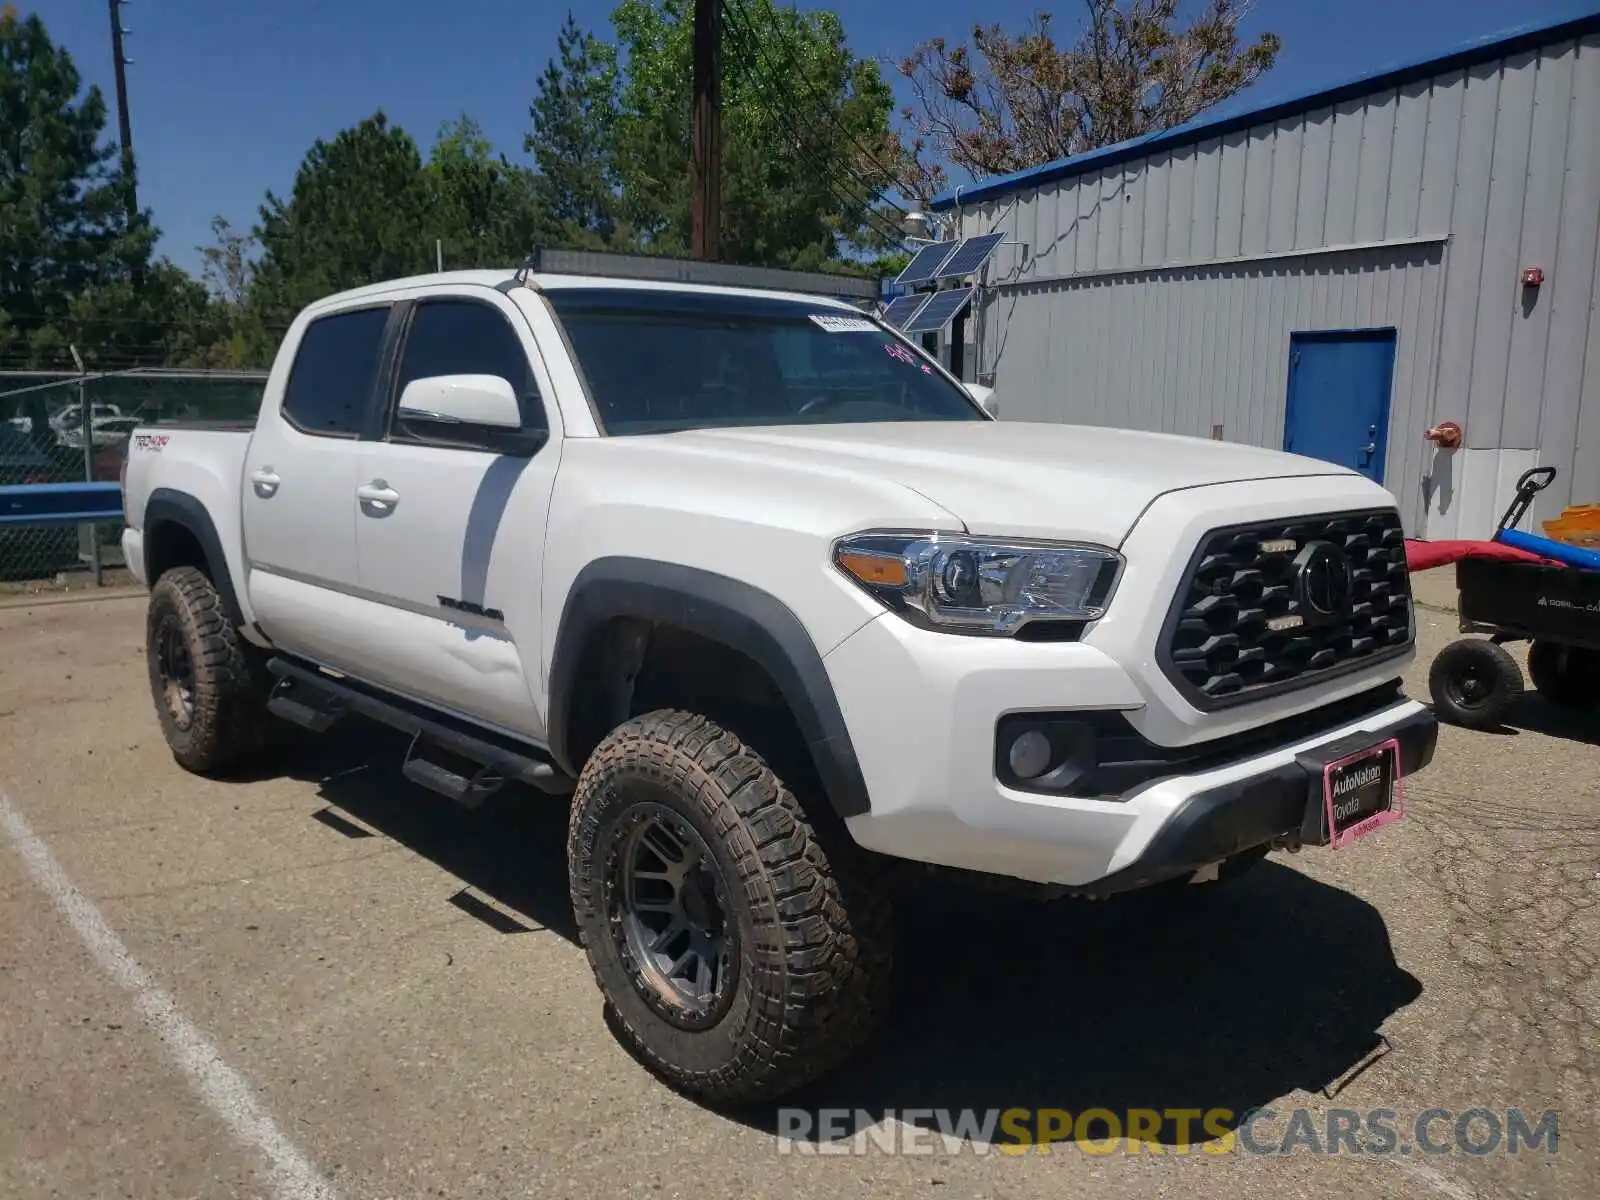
334,372
463,337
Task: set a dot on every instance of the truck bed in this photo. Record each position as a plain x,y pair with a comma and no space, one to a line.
203,459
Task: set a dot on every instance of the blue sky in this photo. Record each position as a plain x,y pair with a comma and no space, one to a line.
227,95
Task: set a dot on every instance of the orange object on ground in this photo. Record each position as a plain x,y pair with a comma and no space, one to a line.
1578,525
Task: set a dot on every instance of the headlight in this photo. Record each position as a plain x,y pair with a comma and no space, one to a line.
980,585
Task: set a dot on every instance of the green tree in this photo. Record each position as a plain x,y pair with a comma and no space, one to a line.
807,150
483,208
1132,70
69,256
227,274
358,213
573,141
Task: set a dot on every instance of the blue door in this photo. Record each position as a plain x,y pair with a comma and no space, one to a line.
1338,410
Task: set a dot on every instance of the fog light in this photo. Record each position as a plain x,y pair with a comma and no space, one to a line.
1029,754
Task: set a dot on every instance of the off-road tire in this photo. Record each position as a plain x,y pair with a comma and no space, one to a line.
814,926
1573,684
1475,684
229,722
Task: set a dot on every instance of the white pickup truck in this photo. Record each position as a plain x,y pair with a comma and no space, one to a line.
775,604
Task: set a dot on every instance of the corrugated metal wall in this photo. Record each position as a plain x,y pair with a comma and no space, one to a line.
1186,350
1160,293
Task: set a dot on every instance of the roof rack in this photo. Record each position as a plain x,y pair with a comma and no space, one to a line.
683,270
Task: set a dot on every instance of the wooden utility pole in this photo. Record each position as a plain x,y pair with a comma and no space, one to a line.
706,154
124,124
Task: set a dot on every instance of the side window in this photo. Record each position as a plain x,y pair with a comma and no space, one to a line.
463,337
334,370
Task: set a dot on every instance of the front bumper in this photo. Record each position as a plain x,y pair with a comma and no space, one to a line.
1254,810
927,752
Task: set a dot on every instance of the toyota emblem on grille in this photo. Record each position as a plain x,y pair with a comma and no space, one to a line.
1322,582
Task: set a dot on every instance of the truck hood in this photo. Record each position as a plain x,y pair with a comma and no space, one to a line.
1015,478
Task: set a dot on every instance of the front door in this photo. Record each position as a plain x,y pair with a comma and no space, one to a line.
450,534
1338,407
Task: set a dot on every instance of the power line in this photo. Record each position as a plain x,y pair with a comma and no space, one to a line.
792,55
848,197
858,196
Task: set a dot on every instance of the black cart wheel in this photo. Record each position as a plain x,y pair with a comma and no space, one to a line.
739,957
1565,675
208,688
1475,683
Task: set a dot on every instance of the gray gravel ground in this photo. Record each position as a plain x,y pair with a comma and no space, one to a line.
391,997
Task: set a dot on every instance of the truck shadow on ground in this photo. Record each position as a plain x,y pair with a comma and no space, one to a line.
510,855
1161,1001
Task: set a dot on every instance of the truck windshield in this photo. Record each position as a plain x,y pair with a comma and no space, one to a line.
657,361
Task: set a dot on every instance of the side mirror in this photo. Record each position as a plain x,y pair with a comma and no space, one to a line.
984,396
486,401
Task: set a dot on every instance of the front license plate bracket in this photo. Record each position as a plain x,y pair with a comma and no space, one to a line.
1353,788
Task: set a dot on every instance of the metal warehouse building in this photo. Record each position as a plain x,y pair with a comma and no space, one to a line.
1333,274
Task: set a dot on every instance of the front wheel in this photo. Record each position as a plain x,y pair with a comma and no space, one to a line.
206,684
740,957
1475,683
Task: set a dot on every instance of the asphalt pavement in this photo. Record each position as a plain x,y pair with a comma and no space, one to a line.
323,982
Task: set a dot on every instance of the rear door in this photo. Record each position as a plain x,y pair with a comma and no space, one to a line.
454,548
298,491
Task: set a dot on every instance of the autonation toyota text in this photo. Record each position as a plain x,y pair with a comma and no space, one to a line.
1478,1132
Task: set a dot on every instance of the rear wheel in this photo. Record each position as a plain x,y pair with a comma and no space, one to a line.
1565,675
1475,683
740,957
208,688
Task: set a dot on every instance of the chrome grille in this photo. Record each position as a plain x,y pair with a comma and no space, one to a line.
1244,624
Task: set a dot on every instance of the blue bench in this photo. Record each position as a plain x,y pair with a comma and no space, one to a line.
60,503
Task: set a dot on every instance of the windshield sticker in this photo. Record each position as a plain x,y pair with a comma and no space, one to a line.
896,350
843,324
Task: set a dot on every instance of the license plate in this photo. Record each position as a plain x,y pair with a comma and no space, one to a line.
1361,792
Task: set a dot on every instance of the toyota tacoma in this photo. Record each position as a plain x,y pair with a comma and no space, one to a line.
779,608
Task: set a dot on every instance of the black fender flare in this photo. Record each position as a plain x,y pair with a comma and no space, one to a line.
737,615
167,506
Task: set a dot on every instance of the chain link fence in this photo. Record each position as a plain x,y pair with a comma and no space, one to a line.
62,428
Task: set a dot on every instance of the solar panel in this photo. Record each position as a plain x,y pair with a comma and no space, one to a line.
901,310
925,265
970,256
939,311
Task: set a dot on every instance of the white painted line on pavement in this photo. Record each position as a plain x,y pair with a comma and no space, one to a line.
224,1090
1432,1176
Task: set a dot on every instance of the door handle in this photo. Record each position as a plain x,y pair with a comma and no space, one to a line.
379,495
265,481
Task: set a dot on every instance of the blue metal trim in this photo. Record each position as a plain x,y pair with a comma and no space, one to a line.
60,503
1467,54
98,490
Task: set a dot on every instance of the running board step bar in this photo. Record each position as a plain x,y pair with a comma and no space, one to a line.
469,791
314,699
308,707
